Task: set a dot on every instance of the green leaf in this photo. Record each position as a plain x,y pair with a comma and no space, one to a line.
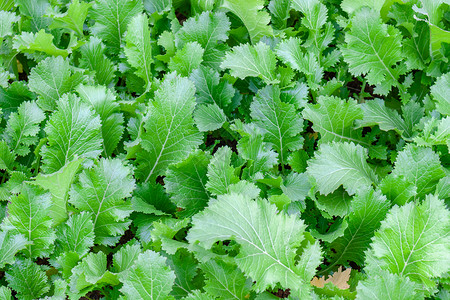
210,30
268,240
148,278
170,134
185,182
351,6
91,273
111,20
225,281
50,79
103,101
343,164
185,267
279,9
278,120
138,47
36,11
73,130
440,91
435,132
384,285
397,189
417,48
159,6
315,13
101,191
7,19
337,203
373,49
6,157
93,58
10,244
28,215
76,235
124,259
334,119
251,61
413,241
291,54
58,184
209,117
27,279
368,208
187,59
41,41
5,293
255,20
22,128
73,18
220,173
420,166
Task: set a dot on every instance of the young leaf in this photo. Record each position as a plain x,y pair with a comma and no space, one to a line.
314,11
251,61
41,41
372,49
124,259
334,119
187,59
268,240
73,130
22,128
413,241
93,58
343,164
50,79
10,244
209,117
220,173
28,215
101,191
139,49
103,101
186,181
7,19
278,120
440,91
73,18
5,293
111,20
279,9
170,134
255,20
150,277
27,279
76,235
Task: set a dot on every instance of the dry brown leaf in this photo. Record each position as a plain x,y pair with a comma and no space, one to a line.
339,279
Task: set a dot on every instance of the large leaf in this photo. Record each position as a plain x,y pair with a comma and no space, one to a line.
27,279
94,59
268,240
101,191
170,134
73,130
343,164
10,244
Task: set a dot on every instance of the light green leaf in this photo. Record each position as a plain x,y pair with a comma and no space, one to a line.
268,239
279,9
5,293
255,20
185,267
124,259
343,164
22,128
103,101
93,59
337,203
251,61
170,134
73,130
435,132
398,189
76,235
35,10
139,49
315,13
7,158
225,281
111,20
50,79
58,184
373,49
10,244
148,278
28,215
420,166
350,6
187,59
413,241
368,208
385,284
158,6
209,117
334,119
101,191
279,121
440,91
73,18
185,182
41,41
220,173
7,19
27,279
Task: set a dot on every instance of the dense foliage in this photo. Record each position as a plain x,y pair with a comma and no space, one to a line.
224,149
